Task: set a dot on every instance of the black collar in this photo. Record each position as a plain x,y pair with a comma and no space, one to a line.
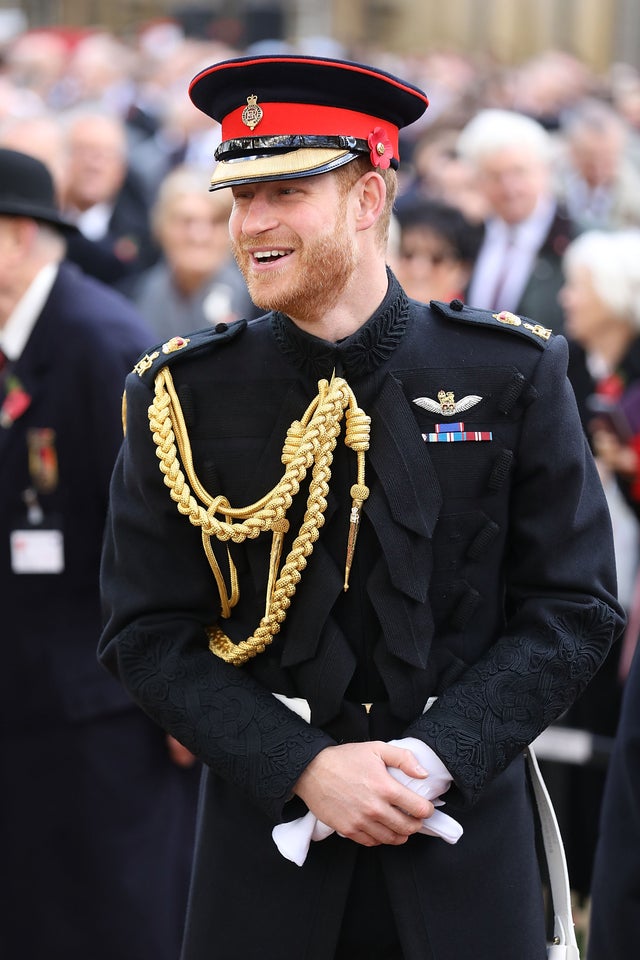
355,356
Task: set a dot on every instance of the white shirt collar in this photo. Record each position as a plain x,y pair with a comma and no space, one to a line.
94,222
17,330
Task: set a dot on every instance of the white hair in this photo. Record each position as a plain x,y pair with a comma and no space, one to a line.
613,261
492,130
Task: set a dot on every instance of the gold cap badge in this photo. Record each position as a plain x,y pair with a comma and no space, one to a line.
252,113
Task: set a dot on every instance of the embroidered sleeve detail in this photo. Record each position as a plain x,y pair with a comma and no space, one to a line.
481,723
221,714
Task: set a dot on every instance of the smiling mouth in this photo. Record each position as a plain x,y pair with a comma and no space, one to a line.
270,256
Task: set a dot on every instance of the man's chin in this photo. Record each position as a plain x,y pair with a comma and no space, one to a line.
268,296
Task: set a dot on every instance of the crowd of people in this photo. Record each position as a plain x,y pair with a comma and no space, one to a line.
518,192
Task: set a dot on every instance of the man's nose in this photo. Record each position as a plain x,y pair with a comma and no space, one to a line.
259,216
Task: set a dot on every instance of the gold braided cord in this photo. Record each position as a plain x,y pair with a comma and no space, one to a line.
309,443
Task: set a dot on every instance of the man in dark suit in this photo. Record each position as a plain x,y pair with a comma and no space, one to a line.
436,557
96,820
106,199
519,264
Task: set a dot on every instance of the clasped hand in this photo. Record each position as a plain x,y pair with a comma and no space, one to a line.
349,788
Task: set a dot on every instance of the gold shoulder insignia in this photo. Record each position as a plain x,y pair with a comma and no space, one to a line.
538,330
176,343
505,316
145,363
197,344
457,310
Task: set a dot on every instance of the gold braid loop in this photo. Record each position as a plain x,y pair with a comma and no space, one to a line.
292,443
310,442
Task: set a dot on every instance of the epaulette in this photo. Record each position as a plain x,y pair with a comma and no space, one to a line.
179,348
457,310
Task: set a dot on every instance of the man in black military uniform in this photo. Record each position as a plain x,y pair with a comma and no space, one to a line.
358,557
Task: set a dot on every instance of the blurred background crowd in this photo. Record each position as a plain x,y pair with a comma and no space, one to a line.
519,191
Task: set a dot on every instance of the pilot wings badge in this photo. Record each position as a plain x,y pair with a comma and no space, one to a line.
446,404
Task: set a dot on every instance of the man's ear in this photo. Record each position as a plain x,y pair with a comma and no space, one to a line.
370,196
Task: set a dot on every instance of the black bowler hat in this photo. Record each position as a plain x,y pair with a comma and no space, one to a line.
286,116
26,190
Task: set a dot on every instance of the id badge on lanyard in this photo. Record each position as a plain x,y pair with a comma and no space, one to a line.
37,545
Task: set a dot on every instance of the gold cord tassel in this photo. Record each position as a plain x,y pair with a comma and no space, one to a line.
359,494
309,443
274,560
357,437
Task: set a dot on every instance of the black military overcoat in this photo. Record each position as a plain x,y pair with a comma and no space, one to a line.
483,575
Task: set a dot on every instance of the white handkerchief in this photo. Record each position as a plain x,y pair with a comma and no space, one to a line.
294,838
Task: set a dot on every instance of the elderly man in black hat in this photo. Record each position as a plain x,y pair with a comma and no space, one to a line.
358,557
96,820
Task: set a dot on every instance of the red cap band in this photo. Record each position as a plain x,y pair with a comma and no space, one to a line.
291,119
